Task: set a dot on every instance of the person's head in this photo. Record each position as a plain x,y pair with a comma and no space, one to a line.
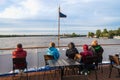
19,45
85,47
71,45
94,43
52,44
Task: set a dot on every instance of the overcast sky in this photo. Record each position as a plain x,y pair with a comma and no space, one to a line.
41,16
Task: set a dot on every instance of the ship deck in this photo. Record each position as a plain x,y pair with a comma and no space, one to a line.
49,75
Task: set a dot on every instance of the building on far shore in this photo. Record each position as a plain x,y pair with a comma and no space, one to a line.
116,37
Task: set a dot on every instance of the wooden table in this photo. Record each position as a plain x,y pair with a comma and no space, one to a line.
62,63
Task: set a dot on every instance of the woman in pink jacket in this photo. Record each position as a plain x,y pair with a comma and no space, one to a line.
85,52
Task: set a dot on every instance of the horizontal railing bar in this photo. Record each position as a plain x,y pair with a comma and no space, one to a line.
38,47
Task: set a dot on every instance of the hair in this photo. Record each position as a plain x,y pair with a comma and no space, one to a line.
52,44
19,45
94,43
71,44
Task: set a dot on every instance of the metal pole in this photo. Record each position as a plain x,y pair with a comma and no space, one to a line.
58,27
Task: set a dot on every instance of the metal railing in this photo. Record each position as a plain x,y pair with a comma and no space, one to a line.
41,47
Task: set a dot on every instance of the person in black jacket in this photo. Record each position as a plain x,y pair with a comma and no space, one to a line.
72,51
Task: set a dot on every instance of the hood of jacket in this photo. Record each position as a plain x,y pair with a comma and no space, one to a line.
85,47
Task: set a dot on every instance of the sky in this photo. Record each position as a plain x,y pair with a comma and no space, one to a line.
41,16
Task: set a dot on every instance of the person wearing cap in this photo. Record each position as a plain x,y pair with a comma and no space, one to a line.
19,52
97,51
53,51
72,51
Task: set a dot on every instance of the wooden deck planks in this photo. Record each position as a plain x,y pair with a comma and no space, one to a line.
50,75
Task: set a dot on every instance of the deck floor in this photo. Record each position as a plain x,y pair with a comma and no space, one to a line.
49,75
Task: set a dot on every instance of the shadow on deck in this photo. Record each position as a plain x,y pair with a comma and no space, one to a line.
55,75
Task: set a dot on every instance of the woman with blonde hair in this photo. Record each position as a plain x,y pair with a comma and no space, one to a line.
97,51
53,51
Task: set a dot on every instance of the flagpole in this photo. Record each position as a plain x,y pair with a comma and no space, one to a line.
59,27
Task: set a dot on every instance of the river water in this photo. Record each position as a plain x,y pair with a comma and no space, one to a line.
44,41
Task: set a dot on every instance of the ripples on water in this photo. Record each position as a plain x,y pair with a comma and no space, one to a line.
44,41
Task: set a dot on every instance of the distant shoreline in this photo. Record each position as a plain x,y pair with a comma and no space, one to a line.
5,36
8,36
61,36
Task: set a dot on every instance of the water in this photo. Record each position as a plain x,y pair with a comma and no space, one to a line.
35,56
44,41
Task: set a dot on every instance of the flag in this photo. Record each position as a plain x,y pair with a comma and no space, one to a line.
61,15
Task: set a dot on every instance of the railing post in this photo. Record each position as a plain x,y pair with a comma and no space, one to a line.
38,56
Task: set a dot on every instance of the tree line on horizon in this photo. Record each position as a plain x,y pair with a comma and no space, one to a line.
104,33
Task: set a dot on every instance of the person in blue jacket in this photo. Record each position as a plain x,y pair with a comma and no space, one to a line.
53,51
